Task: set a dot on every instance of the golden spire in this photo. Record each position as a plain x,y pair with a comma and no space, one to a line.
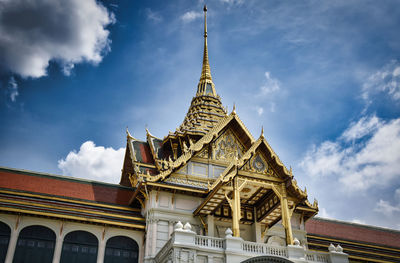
206,85
205,71
206,108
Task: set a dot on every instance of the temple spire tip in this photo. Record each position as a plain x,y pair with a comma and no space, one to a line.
205,70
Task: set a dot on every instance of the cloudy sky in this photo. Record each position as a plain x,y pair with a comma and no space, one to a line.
322,77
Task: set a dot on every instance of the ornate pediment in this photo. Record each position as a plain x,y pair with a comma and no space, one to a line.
227,147
204,153
258,164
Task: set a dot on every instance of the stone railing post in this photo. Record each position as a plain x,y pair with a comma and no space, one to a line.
183,235
233,247
336,254
296,252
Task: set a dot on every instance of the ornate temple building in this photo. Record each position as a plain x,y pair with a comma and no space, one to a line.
208,192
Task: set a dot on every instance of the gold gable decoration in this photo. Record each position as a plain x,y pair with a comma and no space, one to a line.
204,153
227,147
258,164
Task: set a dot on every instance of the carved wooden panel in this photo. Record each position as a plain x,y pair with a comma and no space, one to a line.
227,147
204,153
258,164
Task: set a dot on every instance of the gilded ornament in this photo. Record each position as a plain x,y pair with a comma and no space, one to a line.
228,148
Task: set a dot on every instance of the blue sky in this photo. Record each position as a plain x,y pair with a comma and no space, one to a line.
322,77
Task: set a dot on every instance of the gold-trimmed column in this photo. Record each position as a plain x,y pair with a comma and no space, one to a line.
286,220
236,208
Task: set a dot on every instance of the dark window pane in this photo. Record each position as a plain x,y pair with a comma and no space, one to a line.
83,248
121,249
41,244
5,232
31,245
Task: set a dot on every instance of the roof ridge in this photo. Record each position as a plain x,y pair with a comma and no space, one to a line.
61,177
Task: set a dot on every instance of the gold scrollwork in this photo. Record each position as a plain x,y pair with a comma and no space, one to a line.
228,148
258,164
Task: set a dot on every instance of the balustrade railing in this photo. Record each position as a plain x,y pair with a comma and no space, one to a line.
212,242
190,240
260,248
314,256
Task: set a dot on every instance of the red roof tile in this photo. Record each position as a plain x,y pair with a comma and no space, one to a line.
356,232
64,186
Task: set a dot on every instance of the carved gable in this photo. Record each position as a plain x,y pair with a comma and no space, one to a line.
204,153
227,147
258,164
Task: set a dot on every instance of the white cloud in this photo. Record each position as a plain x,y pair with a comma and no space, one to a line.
323,213
358,221
397,194
267,94
270,85
94,163
396,72
67,68
386,80
260,111
374,160
12,89
386,208
190,16
363,127
231,2
35,32
272,107
153,16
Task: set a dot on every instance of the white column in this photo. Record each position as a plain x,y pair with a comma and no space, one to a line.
257,232
170,228
11,245
58,249
210,225
154,238
148,239
100,252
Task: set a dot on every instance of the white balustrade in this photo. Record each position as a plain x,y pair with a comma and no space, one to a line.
187,239
212,242
264,249
314,256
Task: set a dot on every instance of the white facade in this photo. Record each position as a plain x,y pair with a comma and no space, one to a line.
61,229
187,241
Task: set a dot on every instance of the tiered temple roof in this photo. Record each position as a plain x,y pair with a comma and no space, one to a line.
240,174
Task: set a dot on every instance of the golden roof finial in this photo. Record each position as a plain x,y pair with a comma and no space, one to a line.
234,109
205,71
128,135
262,131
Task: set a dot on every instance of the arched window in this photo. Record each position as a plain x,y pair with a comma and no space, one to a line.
79,247
267,259
35,244
5,232
122,250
